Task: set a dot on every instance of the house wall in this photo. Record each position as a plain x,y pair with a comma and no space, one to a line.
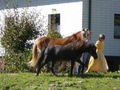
70,13
70,16
102,21
85,13
74,16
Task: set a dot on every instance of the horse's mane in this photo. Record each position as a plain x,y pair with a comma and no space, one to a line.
76,45
74,37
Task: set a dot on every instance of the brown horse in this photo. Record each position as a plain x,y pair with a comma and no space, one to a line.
43,42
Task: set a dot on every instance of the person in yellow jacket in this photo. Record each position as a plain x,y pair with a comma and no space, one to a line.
100,64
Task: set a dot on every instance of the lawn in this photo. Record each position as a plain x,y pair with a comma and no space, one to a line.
47,81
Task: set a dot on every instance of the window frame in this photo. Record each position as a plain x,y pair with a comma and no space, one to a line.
116,25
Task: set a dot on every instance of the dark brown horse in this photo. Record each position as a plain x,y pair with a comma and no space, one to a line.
43,42
70,52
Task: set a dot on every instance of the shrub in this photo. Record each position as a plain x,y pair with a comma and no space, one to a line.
16,62
54,33
17,33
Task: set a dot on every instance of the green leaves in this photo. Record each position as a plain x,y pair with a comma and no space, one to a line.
17,33
54,33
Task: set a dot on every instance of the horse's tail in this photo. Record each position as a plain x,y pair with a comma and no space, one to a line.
34,55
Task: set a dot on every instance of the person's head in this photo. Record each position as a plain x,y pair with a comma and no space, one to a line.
101,37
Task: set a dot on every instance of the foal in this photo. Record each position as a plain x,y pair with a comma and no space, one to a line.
70,52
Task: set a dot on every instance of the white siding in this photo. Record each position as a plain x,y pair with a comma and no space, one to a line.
85,13
74,16
70,16
103,22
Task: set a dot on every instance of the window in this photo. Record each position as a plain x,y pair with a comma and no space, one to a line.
54,21
117,26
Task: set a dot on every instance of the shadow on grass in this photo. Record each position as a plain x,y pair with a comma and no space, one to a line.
98,75
89,75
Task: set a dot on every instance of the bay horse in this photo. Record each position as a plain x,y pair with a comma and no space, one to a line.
70,52
43,42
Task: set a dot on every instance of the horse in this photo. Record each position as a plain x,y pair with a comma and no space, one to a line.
70,52
43,42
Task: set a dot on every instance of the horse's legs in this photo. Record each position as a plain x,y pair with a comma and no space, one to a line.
39,62
53,63
82,66
85,59
40,65
72,65
79,68
39,68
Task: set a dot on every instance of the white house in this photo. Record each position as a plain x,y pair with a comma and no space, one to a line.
100,16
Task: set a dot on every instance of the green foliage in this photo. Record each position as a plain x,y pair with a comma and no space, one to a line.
17,62
54,33
17,33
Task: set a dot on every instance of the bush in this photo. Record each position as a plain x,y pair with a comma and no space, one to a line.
54,34
17,62
17,33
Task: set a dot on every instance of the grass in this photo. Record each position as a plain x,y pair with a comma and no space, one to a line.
47,81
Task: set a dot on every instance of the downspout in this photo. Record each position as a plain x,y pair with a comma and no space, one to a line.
89,13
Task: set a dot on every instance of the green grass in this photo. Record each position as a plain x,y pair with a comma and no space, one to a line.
47,81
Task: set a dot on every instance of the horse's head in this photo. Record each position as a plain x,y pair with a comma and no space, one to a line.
91,48
85,34
79,36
